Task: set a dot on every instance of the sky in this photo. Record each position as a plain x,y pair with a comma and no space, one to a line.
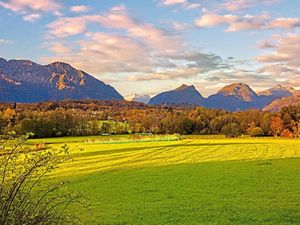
150,46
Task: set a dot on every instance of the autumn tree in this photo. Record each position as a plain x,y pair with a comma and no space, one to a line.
276,126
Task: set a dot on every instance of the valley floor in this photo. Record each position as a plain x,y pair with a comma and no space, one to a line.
197,180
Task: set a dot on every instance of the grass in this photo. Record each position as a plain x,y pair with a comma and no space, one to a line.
196,180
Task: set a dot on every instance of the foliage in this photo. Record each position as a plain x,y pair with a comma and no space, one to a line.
26,195
257,132
232,130
276,126
84,118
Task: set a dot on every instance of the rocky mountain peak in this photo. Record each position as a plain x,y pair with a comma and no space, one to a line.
239,90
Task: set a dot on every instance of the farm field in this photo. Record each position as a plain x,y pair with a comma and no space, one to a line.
196,180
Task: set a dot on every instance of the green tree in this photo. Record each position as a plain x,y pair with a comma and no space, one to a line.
232,130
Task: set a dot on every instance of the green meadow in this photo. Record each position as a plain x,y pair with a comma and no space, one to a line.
191,180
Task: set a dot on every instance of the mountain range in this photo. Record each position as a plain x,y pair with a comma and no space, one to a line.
233,97
27,82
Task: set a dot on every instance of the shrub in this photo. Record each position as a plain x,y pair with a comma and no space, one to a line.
287,133
256,132
26,196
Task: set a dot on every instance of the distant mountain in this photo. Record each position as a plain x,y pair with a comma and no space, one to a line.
183,95
277,104
138,98
238,90
278,91
26,81
233,97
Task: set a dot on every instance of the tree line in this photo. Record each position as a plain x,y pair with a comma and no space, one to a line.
80,118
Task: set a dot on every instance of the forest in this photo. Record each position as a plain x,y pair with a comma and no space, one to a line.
91,117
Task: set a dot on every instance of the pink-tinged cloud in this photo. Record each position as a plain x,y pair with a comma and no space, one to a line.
104,53
211,20
285,23
32,17
238,5
179,72
247,22
33,5
173,2
185,3
79,8
68,26
141,49
284,62
234,22
117,19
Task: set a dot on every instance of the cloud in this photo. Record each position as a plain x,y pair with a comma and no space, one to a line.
234,22
104,53
4,41
185,3
32,10
247,22
68,26
179,72
179,26
116,18
32,5
59,48
79,8
266,45
284,62
284,23
32,17
131,46
237,5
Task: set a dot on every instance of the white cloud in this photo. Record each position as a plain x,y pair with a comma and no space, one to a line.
5,41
